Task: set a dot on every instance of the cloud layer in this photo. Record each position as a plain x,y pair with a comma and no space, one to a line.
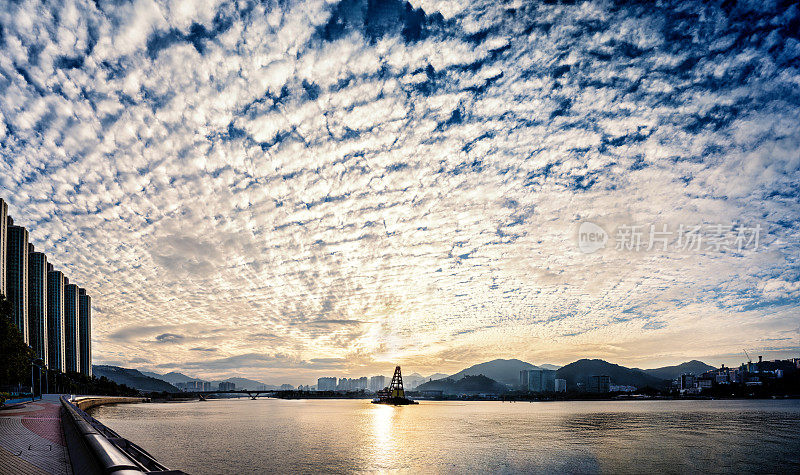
290,189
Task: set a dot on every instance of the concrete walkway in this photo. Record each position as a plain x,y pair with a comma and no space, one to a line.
32,439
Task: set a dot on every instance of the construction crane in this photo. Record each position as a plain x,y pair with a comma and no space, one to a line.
748,357
394,394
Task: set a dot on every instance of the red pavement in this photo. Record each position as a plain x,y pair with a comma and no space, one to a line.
32,440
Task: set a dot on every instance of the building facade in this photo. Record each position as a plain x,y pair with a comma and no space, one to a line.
3,245
561,385
71,330
538,380
53,316
17,276
37,304
85,331
600,384
55,319
326,384
376,383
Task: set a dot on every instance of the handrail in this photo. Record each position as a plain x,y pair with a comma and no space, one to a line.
115,454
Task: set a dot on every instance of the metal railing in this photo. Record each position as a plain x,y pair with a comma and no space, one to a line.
114,454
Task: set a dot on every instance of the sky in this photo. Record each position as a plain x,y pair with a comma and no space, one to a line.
288,190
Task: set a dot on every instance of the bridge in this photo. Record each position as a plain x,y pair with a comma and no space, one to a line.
276,393
252,394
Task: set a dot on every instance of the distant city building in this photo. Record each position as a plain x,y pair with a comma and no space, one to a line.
71,334
326,384
37,304
704,383
194,386
3,246
352,384
55,319
227,386
686,381
599,384
615,388
17,276
561,385
538,380
376,383
85,331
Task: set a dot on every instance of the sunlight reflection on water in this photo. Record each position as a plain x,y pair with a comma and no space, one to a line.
243,436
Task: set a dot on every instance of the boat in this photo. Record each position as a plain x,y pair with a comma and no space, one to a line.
394,395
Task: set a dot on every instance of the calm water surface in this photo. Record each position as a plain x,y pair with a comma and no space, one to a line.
341,436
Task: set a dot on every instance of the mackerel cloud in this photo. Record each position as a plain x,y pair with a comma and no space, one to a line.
291,189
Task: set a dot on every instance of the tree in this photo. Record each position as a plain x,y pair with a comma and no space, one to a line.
15,355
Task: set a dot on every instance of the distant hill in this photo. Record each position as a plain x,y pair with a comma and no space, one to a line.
504,371
466,385
672,372
132,378
241,383
580,371
413,380
436,376
171,377
549,366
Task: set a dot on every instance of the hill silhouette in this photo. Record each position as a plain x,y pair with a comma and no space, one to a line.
470,384
672,372
579,372
132,378
503,371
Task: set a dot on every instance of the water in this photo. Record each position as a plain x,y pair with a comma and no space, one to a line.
341,436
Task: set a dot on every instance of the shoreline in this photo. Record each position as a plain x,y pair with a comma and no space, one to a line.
497,399
87,402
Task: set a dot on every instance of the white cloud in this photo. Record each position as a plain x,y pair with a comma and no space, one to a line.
271,182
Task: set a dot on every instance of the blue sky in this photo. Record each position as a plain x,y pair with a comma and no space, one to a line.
285,190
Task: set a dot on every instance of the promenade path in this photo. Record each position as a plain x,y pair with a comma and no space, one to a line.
32,439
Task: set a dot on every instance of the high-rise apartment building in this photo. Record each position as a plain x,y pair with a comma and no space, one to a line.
53,316
538,380
599,384
3,245
17,276
326,384
55,319
85,330
376,383
37,303
71,330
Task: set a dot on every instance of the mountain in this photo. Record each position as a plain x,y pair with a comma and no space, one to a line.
241,383
549,366
410,381
504,371
132,378
580,371
171,377
466,385
672,372
413,380
436,376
